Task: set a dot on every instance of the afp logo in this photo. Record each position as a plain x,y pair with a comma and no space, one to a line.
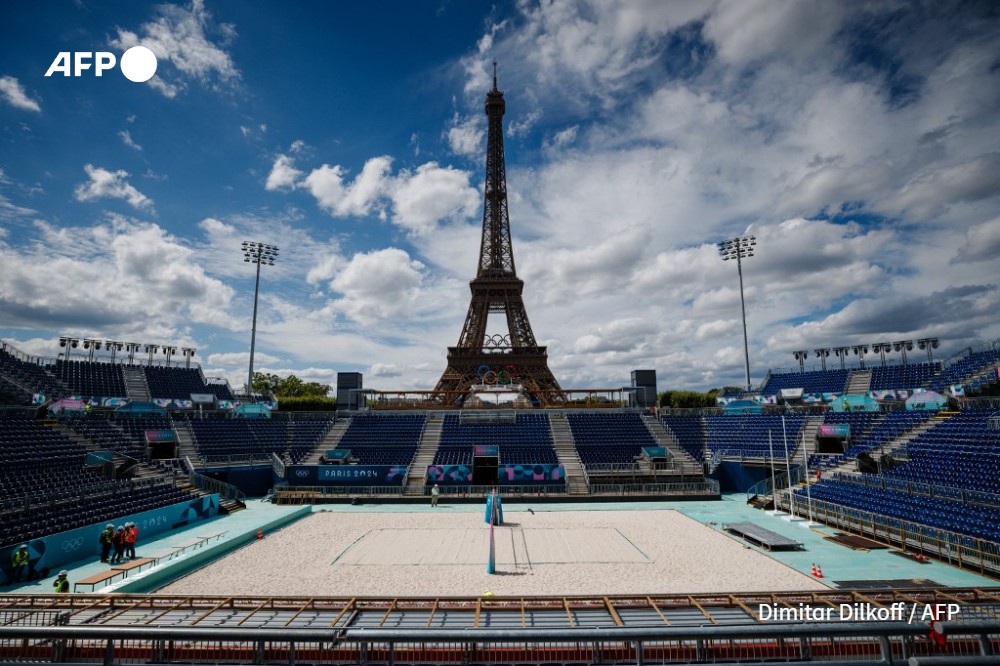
138,64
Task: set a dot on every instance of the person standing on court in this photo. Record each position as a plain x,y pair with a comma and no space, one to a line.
118,541
435,491
105,541
131,534
61,583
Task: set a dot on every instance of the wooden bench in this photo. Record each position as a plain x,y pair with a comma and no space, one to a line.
138,563
98,578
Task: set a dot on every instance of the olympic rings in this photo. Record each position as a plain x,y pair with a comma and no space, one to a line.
501,375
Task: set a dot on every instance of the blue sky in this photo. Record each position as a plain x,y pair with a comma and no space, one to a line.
858,141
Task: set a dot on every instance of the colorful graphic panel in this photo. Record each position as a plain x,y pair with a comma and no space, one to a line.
345,475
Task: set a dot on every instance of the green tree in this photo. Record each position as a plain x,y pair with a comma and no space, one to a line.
288,387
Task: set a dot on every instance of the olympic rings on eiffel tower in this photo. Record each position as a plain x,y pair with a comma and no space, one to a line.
502,376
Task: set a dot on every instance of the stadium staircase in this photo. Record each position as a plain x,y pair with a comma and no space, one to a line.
564,445
186,447
135,384
850,466
686,465
808,437
430,439
330,441
858,382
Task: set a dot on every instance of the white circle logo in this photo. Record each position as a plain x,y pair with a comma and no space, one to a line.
138,64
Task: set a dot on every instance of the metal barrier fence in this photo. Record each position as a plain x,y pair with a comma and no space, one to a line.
707,487
963,551
973,642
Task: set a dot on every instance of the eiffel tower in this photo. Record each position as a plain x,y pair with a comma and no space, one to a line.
479,358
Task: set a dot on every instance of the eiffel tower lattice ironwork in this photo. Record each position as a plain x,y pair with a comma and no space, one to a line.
495,360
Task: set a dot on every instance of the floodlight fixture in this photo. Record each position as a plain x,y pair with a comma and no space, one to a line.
860,351
929,344
903,346
114,346
823,354
801,356
132,348
740,248
69,343
881,348
260,254
92,345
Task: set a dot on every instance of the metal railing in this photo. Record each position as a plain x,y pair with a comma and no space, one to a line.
839,642
210,460
960,550
767,486
277,466
706,487
209,485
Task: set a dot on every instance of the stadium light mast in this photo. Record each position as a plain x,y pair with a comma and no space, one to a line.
841,353
903,346
260,254
801,356
929,344
881,348
740,248
823,354
860,351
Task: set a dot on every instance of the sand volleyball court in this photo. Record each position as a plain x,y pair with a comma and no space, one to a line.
445,554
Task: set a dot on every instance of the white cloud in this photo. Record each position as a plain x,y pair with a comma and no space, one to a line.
747,30
283,174
431,194
126,137
466,136
13,93
377,285
11,211
327,185
241,359
518,128
982,243
182,37
111,184
118,278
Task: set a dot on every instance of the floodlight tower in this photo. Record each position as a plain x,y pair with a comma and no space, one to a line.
740,248
860,351
260,254
903,346
841,353
801,356
823,354
929,344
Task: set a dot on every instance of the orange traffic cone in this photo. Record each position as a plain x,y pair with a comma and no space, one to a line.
260,534
817,572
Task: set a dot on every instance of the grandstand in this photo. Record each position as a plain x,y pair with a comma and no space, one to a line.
933,495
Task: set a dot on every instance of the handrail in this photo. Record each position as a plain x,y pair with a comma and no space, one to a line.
277,466
981,556
210,485
766,487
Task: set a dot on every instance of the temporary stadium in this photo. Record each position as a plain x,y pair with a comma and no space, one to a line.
847,513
